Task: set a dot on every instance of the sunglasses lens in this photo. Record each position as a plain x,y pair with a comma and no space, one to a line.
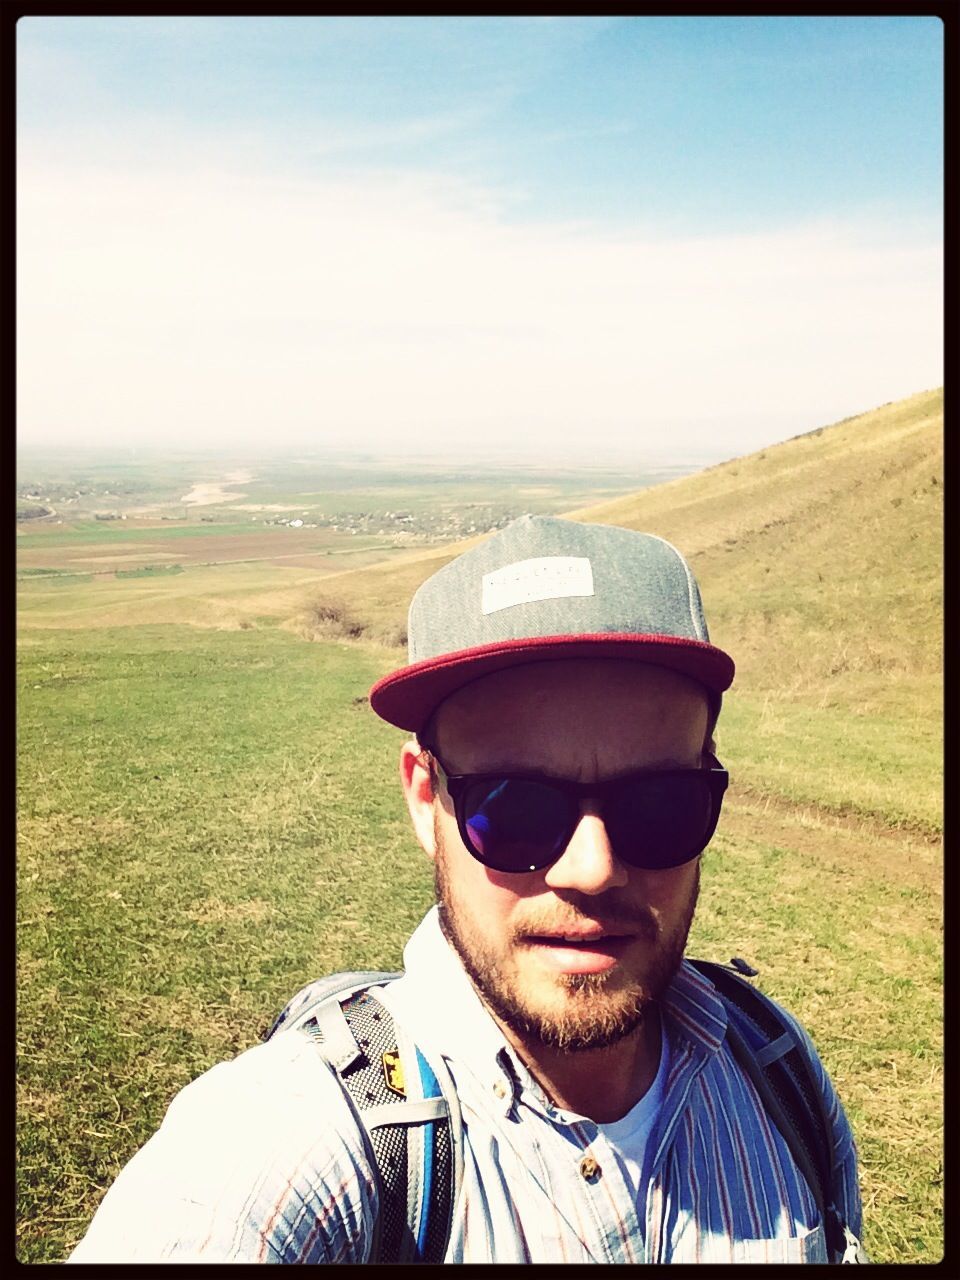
653,822
516,824
661,823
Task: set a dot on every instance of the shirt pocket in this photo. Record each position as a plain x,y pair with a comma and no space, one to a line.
811,1246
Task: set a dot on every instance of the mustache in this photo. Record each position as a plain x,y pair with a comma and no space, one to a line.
607,914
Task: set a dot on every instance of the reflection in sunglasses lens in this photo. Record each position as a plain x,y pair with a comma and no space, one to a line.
516,823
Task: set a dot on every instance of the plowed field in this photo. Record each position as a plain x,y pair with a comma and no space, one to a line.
307,547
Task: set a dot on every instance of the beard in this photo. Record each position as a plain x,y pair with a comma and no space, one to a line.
571,1012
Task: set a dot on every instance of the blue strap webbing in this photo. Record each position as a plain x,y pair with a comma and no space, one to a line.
431,1089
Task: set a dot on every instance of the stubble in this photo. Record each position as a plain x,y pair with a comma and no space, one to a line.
595,1010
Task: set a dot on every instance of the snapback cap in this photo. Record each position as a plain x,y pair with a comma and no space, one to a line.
546,588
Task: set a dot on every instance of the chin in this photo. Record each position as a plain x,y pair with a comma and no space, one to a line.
572,1012
577,1012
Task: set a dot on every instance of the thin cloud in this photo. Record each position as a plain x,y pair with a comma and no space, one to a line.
403,312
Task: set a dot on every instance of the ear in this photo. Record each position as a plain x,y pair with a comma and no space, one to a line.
418,793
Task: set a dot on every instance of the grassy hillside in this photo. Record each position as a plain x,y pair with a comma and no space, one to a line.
821,556
820,564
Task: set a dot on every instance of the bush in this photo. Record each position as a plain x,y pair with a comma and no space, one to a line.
32,512
392,635
329,620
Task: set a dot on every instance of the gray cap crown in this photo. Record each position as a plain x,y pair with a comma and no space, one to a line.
543,576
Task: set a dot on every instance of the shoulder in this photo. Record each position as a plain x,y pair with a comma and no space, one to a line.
770,1031
271,1089
262,1158
843,1143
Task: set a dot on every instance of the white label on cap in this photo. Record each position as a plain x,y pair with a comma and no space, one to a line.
547,578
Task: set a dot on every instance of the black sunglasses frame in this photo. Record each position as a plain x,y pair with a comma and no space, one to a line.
575,793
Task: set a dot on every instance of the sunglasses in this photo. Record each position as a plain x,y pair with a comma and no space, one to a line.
656,819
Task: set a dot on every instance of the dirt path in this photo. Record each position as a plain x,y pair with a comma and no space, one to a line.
205,495
863,847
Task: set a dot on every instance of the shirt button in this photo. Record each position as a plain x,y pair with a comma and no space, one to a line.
589,1169
499,1089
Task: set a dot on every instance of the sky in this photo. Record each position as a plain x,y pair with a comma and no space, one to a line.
673,239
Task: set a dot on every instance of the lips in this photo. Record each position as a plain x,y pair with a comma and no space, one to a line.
595,951
583,933
577,939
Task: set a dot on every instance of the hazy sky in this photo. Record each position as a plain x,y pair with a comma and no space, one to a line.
682,236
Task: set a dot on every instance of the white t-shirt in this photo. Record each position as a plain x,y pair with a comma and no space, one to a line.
631,1133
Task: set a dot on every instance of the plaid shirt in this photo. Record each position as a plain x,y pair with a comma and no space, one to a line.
261,1159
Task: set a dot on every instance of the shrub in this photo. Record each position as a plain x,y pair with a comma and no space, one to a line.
392,635
329,620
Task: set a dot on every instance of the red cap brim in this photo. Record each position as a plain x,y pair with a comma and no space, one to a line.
406,698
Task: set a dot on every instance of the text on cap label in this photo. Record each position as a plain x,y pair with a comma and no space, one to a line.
546,578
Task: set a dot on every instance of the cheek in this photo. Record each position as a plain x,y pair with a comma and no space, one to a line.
668,893
486,894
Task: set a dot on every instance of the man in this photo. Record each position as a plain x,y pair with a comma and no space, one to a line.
563,693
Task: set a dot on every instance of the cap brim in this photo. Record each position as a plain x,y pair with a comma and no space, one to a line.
406,698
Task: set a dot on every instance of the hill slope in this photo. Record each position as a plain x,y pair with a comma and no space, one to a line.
820,565
820,556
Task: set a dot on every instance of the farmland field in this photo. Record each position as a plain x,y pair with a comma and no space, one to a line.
228,540
208,811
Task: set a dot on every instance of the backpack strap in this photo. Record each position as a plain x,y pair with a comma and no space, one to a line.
303,1006
773,1056
407,1106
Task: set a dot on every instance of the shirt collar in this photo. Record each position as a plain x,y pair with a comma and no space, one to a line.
440,1007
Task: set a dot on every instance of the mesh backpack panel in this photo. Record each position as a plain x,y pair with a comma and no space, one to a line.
411,1227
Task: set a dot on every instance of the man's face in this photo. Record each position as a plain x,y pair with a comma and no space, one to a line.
585,720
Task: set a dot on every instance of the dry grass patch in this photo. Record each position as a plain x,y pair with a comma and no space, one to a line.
50,844
849,845
333,618
329,619
43,1105
216,911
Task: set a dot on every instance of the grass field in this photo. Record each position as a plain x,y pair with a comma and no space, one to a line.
209,816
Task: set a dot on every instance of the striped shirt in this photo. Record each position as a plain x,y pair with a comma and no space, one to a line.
262,1159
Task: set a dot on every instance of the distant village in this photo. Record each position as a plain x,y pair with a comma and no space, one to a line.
410,526
403,525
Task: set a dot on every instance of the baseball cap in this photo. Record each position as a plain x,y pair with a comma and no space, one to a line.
546,588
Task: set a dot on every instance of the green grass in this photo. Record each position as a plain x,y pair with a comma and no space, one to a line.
58,578
82,532
198,837
877,766
208,818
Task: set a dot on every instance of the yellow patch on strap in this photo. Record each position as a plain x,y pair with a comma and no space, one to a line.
393,1072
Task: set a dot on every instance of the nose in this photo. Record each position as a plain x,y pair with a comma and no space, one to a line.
588,864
